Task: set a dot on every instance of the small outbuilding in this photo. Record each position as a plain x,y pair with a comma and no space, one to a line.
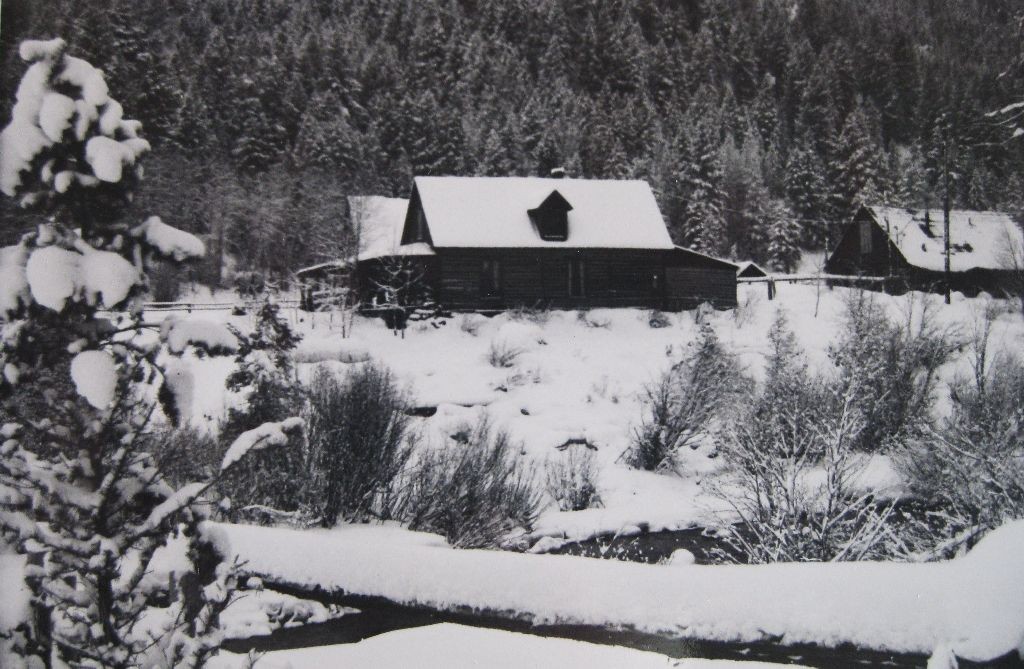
906,247
748,269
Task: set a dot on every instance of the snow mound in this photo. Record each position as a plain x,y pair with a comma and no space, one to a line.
170,242
95,376
452,646
264,436
209,336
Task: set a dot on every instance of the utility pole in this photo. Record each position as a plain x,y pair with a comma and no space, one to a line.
945,209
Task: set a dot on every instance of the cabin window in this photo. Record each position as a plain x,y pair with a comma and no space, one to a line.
576,277
865,237
490,278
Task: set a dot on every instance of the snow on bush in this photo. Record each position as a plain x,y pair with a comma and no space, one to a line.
264,436
52,274
95,377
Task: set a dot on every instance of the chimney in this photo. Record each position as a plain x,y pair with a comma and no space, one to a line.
557,173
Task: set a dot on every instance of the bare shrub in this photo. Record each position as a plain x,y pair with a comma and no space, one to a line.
593,320
185,454
502,354
571,479
746,308
893,367
474,494
683,404
359,440
533,314
971,467
658,319
793,488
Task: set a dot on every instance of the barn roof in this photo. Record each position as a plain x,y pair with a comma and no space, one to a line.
978,239
749,268
381,220
491,212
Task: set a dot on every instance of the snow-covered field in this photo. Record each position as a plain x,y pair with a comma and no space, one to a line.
580,376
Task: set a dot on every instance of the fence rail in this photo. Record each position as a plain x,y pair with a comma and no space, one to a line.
212,306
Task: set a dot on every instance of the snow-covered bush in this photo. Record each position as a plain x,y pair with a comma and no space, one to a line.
798,501
80,495
792,464
893,366
475,494
683,404
972,465
265,376
571,479
359,439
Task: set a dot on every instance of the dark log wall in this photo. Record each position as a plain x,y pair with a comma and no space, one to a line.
611,278
689,287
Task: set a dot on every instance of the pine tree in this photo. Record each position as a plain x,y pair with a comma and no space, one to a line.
266,376
80,496
806,192
856,168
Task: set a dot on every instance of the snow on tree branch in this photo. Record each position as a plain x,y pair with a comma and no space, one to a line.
264,436
168,241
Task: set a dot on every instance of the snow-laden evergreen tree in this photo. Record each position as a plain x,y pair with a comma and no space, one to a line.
856,169
266,376
806,191
80,497
784,237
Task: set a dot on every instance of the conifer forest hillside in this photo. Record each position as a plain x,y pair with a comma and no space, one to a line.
760,124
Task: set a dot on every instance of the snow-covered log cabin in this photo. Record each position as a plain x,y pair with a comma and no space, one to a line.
492,243
908,246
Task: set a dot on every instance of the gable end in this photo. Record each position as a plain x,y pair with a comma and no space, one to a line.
416,228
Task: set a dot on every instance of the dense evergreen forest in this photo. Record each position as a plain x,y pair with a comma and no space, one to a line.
760,124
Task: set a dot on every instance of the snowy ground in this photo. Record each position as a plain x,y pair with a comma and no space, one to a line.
449,646
580,376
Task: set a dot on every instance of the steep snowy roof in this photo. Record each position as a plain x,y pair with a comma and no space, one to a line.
492,212
381,220
978,239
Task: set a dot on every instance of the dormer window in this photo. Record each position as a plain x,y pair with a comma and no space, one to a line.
551,218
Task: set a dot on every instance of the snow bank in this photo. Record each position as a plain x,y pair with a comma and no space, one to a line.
450,646
95,376
971,604
323,350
